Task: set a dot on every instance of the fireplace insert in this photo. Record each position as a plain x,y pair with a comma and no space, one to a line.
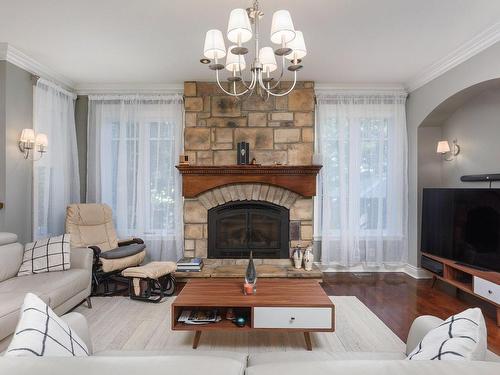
236,228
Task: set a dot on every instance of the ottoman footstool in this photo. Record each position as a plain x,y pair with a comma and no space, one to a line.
151,282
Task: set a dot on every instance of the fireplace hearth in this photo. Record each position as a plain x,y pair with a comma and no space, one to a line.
236,228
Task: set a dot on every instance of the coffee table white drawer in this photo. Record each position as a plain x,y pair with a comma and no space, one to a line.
293,317
487,289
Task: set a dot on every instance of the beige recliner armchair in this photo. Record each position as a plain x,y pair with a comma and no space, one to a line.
91,225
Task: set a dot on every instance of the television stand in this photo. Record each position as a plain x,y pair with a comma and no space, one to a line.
480,283
474,267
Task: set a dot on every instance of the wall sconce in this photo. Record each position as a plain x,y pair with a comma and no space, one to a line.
448,153
29,143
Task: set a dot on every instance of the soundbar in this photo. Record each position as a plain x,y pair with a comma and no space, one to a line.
481,177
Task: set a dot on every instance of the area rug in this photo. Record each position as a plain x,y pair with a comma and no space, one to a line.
118,323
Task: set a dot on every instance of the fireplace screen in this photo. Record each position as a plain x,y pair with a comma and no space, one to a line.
236,228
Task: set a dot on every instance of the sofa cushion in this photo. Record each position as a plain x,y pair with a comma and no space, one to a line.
163,365
58,286
305,356
389,367
460,337
10,305
47,255
11,256
7,238
237,356
41,333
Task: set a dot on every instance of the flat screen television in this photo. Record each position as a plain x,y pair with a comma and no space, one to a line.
462,225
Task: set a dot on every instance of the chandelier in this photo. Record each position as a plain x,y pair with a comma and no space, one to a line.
290,46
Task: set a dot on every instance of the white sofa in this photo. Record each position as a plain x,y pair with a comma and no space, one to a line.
196,362
61,290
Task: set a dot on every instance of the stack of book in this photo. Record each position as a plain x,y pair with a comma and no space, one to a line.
190,265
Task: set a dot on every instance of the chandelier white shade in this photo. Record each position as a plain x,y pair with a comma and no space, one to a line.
214,45
282,30
234,62
239,29
268,60
243,26
298,47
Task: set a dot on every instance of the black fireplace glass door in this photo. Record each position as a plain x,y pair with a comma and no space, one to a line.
264,230
232,230
236,228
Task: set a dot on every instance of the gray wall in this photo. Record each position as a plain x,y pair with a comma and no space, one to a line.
81,119
476,126
3,72
421,102
16,112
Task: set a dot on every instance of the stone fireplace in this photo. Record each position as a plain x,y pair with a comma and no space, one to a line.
230,210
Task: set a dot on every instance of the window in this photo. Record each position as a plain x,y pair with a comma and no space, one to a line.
134,144
363,187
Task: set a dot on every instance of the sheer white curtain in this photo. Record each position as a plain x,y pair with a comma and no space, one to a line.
56,182
133,146
363,187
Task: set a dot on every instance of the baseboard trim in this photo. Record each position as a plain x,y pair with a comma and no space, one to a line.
415,272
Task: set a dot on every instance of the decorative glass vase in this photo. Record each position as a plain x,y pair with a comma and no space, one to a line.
250,286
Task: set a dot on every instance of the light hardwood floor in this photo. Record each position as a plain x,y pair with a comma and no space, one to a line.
118,323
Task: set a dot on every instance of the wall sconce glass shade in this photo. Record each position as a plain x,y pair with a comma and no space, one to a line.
27,138
234,62
29,141
282,29
449,153
214,47
41,142
298,47
239,29
443,147
268,59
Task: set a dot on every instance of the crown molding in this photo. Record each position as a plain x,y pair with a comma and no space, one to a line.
23,61
128,88
479,43
358,87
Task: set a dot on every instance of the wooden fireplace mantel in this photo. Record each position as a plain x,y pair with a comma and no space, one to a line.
197,179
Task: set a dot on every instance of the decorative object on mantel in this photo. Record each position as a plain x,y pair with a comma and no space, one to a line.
250,286
183,160
308,258
28,141
297,257
239,30
300,179
243,153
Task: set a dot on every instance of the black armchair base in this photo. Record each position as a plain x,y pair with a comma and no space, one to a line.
156,289
112,283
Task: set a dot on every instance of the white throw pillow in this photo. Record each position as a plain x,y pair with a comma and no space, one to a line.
47,255
40,332
460,337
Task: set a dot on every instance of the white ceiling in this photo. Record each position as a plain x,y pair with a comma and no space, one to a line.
161,41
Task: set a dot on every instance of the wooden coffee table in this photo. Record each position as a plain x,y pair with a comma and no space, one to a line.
279,305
